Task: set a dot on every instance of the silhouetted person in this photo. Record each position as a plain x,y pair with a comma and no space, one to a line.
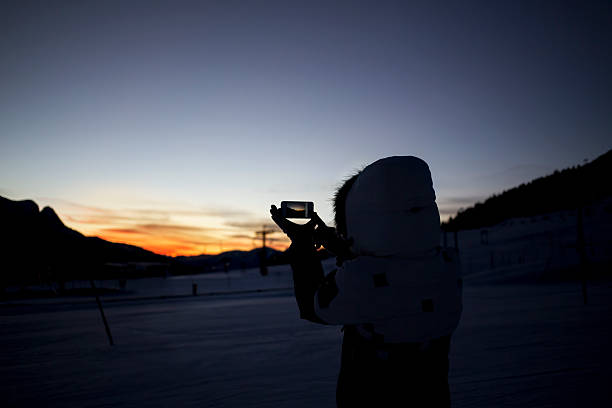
396,291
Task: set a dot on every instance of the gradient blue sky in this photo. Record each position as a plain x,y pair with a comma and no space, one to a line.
176,124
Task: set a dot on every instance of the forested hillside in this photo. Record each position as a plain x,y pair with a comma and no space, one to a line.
563,190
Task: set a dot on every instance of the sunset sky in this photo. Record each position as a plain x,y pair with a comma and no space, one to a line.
173,125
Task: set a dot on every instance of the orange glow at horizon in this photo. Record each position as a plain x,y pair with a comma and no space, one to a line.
174,231
178,246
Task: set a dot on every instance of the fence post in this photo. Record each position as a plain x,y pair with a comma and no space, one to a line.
580,247
108,332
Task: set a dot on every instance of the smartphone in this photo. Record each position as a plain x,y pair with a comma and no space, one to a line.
297,209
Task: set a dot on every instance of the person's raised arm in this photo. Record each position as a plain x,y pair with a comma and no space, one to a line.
308,273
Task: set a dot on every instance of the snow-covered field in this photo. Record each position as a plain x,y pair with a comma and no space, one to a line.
536,248
517,345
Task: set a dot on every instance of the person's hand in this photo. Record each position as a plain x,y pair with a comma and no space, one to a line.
300,234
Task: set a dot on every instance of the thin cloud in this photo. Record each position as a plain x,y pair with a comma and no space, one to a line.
171,228
122,230
468,200
131,213
258,238
226,213
159,228
73,204
252,225
449,206
242,236
105,218
204,212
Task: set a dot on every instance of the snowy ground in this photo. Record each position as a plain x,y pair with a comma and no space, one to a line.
517,345
536,248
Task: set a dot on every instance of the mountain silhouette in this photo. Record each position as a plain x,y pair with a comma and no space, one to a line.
568,189
36,246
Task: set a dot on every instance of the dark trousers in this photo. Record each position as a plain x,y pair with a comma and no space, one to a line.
398,375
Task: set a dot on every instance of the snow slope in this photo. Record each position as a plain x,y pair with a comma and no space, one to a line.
536,248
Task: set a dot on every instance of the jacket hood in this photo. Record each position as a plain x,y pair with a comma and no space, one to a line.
391,209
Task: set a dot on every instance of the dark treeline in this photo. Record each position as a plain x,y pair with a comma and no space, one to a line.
563,190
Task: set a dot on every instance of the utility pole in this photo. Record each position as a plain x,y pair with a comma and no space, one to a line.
263,267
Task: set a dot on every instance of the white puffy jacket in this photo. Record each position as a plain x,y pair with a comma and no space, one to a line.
402,284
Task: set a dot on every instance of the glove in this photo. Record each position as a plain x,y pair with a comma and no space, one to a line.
301,236
313,234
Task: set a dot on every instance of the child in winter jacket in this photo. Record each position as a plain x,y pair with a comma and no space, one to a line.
396,292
